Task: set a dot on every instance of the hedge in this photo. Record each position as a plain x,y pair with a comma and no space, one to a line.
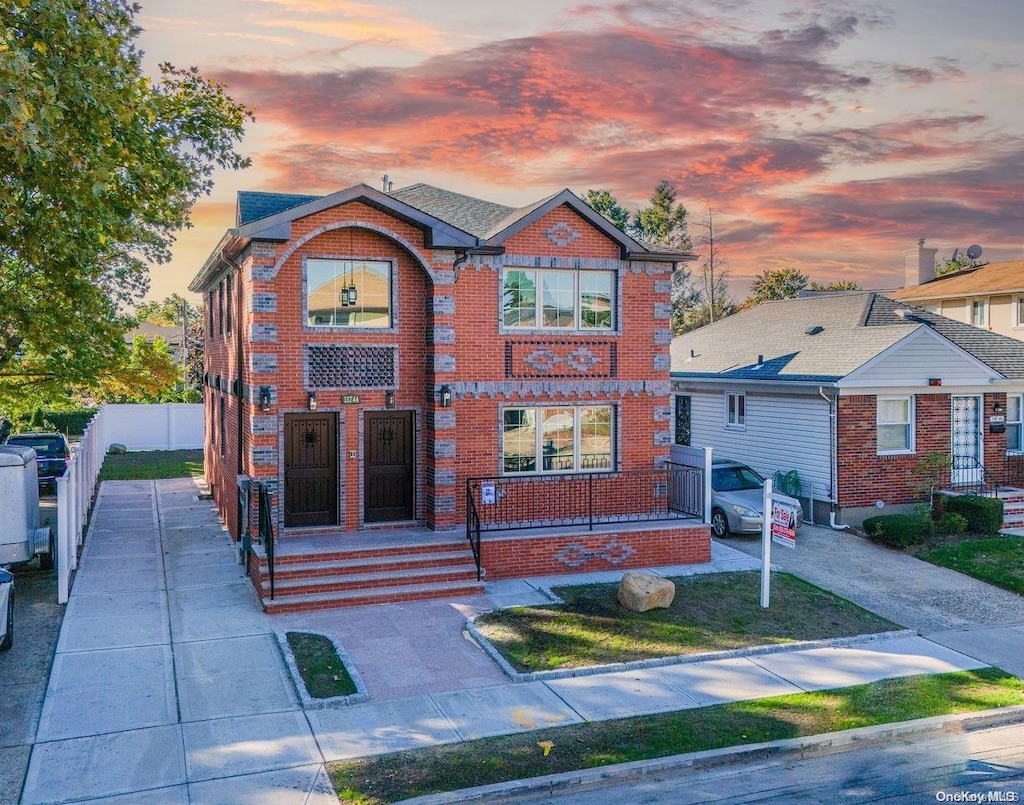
898,530
984,515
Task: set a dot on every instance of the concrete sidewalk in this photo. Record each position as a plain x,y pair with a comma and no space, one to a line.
168,684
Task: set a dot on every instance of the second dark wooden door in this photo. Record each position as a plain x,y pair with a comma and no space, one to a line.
389,451
310,469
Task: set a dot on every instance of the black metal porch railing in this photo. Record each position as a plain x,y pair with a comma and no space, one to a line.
267,532
585,499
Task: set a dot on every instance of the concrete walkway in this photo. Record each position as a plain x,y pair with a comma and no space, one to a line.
168,685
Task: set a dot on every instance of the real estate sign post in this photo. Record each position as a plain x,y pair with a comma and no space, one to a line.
766,544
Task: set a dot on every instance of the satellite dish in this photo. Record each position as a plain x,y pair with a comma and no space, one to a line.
974,251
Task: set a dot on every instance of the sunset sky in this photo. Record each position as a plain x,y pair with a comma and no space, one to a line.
826,140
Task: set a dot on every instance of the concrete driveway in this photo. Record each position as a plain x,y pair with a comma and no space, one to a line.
947,607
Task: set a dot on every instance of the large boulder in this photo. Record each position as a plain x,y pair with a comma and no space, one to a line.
116,449
640,591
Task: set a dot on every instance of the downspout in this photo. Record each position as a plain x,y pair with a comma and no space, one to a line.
239,369
832,425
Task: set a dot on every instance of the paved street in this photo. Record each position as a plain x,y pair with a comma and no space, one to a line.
985,763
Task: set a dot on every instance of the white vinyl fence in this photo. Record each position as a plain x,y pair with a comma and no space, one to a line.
173,426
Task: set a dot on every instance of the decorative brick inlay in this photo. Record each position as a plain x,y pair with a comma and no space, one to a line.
264,456
444,305
444,420
264,273
262,333
559,359
252,394
444,448
444,476
444,335
663,286
662,437
444,504
264,249
663,413
444,363
263,363
662,311
340,366
561,234
264,303
662,363
575,555
263,425
662,336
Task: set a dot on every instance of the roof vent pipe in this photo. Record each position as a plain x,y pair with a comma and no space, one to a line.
760,360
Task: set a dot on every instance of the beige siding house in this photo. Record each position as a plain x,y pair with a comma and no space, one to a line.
990,296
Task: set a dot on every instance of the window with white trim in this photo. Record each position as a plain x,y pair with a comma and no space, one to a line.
1014,423
979,313
348,293
558,439
1018,311
735,410
558,299
895,425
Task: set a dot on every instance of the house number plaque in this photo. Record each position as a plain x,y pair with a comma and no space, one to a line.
350,399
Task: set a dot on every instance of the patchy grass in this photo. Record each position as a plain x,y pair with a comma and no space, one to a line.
151,465
323,673
398,776
996,560
713,612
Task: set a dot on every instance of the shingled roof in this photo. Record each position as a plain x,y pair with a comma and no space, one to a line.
473,215
254,204
994,278
825,338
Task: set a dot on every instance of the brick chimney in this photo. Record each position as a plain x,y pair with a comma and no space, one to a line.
919,265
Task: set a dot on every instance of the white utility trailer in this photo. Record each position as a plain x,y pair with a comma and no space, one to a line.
21,537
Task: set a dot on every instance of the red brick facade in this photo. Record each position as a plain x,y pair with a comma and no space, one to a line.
447,331
865,477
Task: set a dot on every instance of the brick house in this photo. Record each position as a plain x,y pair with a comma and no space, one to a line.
852,390
394,371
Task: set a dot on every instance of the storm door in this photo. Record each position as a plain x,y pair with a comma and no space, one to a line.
389,451
310,469
966,442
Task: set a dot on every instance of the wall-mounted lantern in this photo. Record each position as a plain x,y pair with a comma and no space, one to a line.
445,394
389,400
264,398
312,401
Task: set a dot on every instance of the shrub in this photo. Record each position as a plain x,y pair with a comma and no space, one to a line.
898,530
951,523
983,515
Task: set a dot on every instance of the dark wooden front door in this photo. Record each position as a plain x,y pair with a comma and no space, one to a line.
310,469
389,452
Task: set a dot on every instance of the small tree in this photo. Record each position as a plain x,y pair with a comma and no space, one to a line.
605,203
931,470
841,285
775,284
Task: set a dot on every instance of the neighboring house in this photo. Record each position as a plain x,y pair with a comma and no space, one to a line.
989,296
852,390
404,367
171,335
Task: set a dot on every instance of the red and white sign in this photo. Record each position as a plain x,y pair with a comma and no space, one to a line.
783,522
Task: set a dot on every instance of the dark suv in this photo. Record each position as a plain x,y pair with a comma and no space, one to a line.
52,453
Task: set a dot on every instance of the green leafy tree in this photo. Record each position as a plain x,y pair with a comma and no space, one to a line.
956,262
605,203
148,374
774,284
169,311
843,285
663,221
176,311
99,167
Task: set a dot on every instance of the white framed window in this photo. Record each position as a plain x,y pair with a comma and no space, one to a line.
979,312
735,410
558,299
895,425
1014,423
558,439
348,293
1017,312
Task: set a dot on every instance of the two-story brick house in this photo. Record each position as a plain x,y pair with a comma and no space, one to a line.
394,370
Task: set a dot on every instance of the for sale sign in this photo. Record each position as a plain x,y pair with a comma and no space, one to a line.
783,522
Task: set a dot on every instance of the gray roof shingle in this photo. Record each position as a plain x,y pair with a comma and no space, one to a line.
855,327
254,204
472,215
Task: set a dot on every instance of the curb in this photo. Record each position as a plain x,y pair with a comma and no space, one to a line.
308,702
680,659
825,744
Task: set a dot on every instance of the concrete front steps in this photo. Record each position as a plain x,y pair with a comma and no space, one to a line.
330,578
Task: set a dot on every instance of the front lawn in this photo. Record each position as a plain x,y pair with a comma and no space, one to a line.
398,776
151,465
712,612
996,560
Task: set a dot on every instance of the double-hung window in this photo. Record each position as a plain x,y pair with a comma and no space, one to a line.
895,425
1014,422
735,410
979,313
558,439
558,299
348,293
